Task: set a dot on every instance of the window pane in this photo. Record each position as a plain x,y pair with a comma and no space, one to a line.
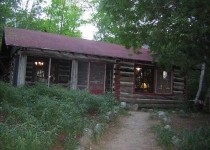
36,69
144,76
163,82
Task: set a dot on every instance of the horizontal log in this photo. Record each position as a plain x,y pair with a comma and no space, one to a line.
145,64
161,106
125,63
178,88
126,79
177,74
146,96
178,83
126,89
127,67
178,79
178,92
126,83
150,101
64,55
126,73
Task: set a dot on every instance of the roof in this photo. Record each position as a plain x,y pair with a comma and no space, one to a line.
43,40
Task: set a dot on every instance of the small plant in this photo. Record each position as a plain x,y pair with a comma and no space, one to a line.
164,136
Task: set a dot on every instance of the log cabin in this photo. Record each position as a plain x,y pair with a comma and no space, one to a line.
28,56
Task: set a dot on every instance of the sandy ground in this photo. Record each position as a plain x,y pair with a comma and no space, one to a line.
132,132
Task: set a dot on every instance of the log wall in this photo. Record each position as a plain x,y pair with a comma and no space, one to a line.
124,88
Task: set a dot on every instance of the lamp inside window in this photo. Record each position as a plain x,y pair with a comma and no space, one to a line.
39,63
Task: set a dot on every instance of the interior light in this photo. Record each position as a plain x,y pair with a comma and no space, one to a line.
138,68
39,63
144,85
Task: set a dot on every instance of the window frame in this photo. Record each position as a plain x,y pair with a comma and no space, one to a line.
171,81
153,79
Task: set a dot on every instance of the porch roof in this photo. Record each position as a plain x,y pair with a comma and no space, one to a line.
43,40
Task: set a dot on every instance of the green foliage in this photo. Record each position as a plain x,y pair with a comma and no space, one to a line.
164,136
176,31
195,139
193,82
189,139
64,18
6,11
33,117
61,16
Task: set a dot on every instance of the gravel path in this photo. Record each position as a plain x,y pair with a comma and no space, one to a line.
132,133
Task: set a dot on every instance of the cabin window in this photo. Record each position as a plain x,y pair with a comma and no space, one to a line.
39,70
163,82
91,75
36,69
144,79
60,72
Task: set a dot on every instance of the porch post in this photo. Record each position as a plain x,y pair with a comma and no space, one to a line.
74,74
21,73
117,81
49,74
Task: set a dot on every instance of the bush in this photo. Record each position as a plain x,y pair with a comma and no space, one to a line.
164,136
198,139
34,116
195,139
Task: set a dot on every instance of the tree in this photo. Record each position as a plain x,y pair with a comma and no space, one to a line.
61,16
7,8
177,31
28,17
64,17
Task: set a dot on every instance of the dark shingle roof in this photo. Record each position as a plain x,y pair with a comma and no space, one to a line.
43,40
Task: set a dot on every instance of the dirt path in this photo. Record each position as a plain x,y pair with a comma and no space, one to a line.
132,133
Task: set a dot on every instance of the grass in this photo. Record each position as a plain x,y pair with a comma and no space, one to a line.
164,136
33,117
197,138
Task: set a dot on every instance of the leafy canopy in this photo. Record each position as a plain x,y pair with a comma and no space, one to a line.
55,16
177,31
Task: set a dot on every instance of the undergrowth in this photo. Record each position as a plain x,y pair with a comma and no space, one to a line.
187,139
33,117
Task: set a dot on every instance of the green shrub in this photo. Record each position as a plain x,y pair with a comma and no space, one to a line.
198,139
164,136
34,116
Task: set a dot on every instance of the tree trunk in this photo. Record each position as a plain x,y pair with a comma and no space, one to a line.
203,68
